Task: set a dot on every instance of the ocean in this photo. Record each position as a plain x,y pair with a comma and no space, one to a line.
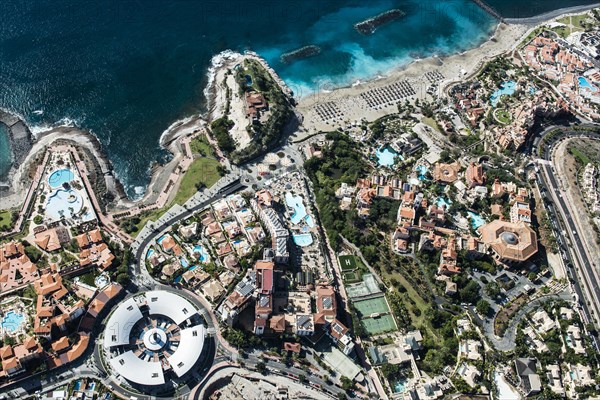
127,69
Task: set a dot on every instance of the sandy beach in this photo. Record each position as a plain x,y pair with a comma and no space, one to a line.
352,107
349,105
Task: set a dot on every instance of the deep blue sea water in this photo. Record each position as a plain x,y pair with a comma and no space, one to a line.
127,69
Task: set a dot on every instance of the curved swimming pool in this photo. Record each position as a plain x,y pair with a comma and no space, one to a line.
64,203
60,176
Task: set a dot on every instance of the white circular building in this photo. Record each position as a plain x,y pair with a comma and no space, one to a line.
152,335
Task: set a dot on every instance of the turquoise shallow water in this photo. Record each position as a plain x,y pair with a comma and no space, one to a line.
127,69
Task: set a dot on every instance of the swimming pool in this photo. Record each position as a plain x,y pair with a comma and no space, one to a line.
150,252
65,203
60,176
422,171
160,239
476,220
12,321
400,386
584,84
507,88
184,262
296,203
386,156
303,240
202,254
443,202
309,221
77,385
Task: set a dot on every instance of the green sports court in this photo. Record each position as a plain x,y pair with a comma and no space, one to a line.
383,323
375,305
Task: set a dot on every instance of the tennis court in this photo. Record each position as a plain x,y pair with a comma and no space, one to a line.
383,323
376,305
347,263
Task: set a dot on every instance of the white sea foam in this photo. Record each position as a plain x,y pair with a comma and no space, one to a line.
37,130
174,125
216,62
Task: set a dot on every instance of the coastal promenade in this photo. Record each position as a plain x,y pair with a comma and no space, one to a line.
25,208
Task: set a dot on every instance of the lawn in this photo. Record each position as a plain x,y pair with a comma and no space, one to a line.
347,263
420,303
582,158
432,123
202,170
5,218
201,147
502,116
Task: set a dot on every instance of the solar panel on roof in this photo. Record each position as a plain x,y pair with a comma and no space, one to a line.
303,319
264,301
327,302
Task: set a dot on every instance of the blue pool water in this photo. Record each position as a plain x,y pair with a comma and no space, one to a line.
160,239
150,252
386,157
65,203
303,240
309,221
203,255
400,386
184,262
60,176
177,280
193,267
422,171
296,203
12,321
78,385
443,202
248,80
476,220
583,83
507,88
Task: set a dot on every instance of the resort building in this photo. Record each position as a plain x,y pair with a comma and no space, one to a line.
239,299
529,380
272,221
153,338
553,377
93,250
474,175
55,306
448,259
446,173
16,269
510,242
15,358
52,239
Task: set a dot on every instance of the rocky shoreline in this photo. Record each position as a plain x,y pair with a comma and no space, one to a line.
21,142
27,153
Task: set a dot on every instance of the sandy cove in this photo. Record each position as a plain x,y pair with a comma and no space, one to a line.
453,68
